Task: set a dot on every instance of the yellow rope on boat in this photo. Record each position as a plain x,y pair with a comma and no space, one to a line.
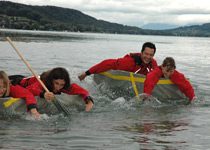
10,101
136,79
134,85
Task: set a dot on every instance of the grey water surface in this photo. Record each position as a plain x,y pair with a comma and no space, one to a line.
113,124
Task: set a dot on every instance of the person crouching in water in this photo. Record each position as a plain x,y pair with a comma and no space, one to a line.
56,80
8,90
168,70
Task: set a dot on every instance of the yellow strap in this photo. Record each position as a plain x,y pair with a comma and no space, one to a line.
9,102
116,76
134,85
136,79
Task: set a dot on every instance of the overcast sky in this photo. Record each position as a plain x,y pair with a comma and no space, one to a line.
137,12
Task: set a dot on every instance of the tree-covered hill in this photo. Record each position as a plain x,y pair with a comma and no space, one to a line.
20,16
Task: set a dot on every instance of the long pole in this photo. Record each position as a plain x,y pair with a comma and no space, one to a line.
56,101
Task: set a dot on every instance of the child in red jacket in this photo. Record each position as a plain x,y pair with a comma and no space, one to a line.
167,70
8,90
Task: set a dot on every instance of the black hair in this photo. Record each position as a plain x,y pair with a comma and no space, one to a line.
150,45
54,74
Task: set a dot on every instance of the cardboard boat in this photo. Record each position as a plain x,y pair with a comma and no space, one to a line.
128,84
11,105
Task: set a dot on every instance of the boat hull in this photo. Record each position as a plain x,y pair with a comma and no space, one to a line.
12,105
127,84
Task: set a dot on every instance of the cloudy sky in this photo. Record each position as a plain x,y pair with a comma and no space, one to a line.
137,12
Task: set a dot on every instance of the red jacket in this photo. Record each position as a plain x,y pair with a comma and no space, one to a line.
131,62
20,92
36,88
176,77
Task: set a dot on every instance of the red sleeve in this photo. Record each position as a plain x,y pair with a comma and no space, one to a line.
151,80
28,81
154,64
125,63
104,66
35,88
20,92
183,84
77,90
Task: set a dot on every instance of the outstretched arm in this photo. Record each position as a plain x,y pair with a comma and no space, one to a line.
20,92
101,67
185,86
77,90
151,80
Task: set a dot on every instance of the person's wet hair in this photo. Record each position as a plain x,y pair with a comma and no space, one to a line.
54,74
6,81
169,62
150,45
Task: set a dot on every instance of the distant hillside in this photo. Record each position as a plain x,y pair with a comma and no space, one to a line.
158,26
195,30
20,16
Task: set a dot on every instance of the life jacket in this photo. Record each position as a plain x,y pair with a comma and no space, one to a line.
138,61
28,81
22,80
15,79
25,82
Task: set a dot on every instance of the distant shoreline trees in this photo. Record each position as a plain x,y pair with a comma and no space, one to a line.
51,18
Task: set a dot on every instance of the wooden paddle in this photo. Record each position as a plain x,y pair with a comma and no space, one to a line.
56,102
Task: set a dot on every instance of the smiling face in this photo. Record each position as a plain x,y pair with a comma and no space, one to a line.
3,88
58,85
168,67
167,72
147,55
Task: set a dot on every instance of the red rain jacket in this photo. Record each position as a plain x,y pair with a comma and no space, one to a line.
176,77
131,62
20,92
36,88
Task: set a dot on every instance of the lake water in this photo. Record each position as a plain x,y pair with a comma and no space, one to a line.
112,124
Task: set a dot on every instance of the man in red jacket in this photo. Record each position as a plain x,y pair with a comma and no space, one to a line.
167,70
141,63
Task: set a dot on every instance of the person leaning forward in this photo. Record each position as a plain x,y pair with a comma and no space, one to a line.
9,90
57,80
140,63
168,70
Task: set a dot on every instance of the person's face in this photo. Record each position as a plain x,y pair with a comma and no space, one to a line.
58,85
167,72
147,55
3,88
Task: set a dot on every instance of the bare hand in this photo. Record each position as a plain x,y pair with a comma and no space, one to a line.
35,113
89,106
193,100
49,95
82,76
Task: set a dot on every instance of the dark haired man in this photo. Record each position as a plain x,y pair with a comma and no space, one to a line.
141,63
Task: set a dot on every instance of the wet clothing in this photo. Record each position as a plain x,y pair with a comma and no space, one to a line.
177,78
36,89
15,79
20,92
131,62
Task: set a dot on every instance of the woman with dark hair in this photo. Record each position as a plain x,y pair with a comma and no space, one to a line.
9,90
56,80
